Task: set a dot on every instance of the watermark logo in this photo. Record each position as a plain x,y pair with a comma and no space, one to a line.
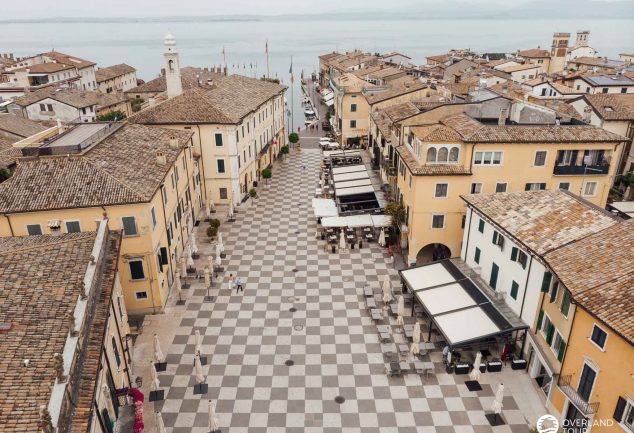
547,424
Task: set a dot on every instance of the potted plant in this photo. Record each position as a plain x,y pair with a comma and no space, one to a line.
214,222
212,232
293,138
267,174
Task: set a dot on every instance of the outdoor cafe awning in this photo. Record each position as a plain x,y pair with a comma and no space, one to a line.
355,221
355,190
324,207
329,103
348,169
344,177
459,309
351,183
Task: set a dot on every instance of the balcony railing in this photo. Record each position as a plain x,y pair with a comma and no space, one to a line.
576,398
585,170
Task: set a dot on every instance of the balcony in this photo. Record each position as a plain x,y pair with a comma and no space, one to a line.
583,170
577,399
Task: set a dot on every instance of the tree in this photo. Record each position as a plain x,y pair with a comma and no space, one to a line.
212,231
4,174
266,174
270,80
397,212
293,137
111,115
328,115
253,193
136,104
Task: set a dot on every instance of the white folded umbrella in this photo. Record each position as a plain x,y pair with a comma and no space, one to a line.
387,289
183,267
193,243
342,241
213,421
177,283
497,405
221,243
199,342
156,383
198,370
207,277
158,354
416,339
382,237
401,311
475,373
160,425
190,259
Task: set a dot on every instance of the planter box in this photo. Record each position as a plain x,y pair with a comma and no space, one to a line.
191,271
483,368
461,368
494,367
195,256
223,255
519,364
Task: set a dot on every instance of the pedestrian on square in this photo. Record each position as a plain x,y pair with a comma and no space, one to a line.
232,280
239,285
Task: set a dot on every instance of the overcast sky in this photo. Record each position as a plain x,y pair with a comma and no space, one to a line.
154,8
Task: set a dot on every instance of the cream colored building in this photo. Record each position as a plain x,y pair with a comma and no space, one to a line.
116,78
36,71
437,155
61,297
237,124
145,180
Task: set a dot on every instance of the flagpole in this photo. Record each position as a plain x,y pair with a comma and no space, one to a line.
267,59
224,57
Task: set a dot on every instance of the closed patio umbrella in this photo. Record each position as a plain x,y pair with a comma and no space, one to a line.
230,209
218,250
183,267
208,210
178,286
342,241
221,243
194,246
211,261
198,370
207,277
213,423
210,203
387,289
199,342
415,349
497,404
158,354
382,237
160,425
401,311
156,383
190,259
475,373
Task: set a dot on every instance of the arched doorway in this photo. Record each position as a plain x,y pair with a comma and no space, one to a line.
432,252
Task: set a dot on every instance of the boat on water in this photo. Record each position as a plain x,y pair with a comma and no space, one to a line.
308,111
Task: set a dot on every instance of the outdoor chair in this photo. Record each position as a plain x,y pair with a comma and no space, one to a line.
393,369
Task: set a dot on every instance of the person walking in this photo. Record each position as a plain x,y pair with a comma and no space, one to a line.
239,285
232,280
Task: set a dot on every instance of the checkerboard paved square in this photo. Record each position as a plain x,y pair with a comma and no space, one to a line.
276,370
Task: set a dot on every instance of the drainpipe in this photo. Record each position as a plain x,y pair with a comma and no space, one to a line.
9,221
202,164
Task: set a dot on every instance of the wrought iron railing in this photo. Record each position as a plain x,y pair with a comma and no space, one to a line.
577,399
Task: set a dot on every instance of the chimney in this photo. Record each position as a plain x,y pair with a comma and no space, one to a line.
587,114
503,115
174,142
160,157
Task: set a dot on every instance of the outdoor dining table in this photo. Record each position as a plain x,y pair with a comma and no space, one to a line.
367,291
409,331
394,309
404,367
383,329
370,302
376,314
424,367
388,349
426,347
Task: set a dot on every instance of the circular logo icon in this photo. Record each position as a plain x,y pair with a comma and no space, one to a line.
547,424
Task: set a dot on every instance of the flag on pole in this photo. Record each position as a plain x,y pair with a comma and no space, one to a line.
266,47
290,71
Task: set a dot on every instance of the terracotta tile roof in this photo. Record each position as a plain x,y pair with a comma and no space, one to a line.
516,68
559,105
397,88
68,59
441,58
73,97
418,169
599,274
120,169
8,153
458,89
436,133
20,126
534,53
190,78
475,132
110,72
612,106
542,220
327,57
509,89
228,101
388,116
45,68
40,279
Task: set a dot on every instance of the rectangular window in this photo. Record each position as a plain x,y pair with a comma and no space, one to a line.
140,295
540,158
353,108
500,187
441,190
481,226
72,227
564,185
220,165
590,189
554,291
438,221
476,188
476,256
223,193
599,336
129,226
534,186
218,137
514,289
153,215
164,193
34,229
136,269
498,239
353,123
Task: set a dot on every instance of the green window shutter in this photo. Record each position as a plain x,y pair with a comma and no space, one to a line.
481,226
514,289
493,281
542,186
527,187
550,333
540,318
514,254
565,303
546,281
476,258
562,350
495,236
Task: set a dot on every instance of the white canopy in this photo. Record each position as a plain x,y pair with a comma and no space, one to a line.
329,97
324,203
321,212
355,190
350,176
349,221
348,169
335,222
330,103
351,183
330,153
381,220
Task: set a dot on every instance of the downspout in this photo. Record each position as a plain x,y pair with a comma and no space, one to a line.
202,164
9,221
528,274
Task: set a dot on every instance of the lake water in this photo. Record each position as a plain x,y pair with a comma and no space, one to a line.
200,43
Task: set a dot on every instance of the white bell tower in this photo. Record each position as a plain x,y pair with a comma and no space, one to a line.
172,67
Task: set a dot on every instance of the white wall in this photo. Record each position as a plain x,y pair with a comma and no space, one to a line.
61,111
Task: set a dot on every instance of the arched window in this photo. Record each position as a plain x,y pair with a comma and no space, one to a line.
453,154
170,64
431,154
442,154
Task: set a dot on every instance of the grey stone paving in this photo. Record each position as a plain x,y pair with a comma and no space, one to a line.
330,338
